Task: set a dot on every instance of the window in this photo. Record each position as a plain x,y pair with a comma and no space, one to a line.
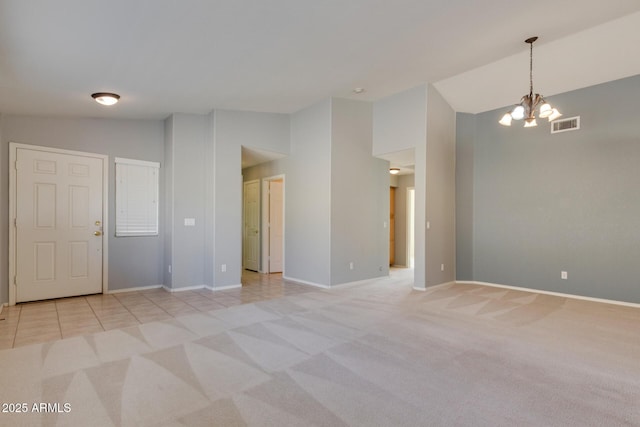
137,191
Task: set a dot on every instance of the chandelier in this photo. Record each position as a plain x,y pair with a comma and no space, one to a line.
526,109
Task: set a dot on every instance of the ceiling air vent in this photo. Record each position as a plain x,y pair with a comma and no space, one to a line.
564,125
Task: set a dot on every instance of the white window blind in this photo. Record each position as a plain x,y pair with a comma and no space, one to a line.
137,189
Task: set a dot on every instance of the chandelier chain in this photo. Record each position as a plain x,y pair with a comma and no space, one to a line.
531,69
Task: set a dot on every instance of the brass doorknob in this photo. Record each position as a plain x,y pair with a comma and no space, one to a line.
97,233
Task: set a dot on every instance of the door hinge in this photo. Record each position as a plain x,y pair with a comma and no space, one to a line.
15,222
15,280
15,165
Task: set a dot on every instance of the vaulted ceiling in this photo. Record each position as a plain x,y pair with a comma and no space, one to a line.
192,56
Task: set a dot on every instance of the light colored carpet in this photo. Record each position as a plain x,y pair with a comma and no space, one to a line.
373,354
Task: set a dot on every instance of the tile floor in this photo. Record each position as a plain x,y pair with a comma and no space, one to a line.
42,321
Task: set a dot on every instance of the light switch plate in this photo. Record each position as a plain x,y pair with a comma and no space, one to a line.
189,222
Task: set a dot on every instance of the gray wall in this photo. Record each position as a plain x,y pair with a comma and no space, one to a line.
545,203
465,134
336,195
232,131
404,182
359,196
133,261
400,123
440,190
188,148
168,201
308,196
420,118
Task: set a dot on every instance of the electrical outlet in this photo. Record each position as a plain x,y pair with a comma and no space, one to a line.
564,275
223,268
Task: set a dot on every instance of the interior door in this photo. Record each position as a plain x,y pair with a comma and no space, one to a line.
251,240
275,226
59,209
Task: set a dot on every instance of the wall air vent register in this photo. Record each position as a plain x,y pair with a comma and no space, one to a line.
565,125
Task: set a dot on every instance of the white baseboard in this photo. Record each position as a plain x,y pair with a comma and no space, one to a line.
139,288
441,285
557,294
222,288
306,282
186,288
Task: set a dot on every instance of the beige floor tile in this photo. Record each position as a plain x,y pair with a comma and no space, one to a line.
207,305
114,315
34,339
181,310
79,323
173,303
119,324
38,307
35,325
144,312
129,305
71,302
35,314
6,343
102,300
46,320
72,332
153,317
23,332
80,315
123,312
8,323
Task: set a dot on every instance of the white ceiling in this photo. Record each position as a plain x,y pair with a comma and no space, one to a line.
192,56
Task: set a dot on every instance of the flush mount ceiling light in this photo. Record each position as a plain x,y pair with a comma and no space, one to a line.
105,98
527,107
394,171
358,90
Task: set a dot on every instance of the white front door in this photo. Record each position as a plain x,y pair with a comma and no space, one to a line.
275,226
251,241
59,205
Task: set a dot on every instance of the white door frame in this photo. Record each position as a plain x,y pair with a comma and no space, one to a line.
410,226
265,220
13,153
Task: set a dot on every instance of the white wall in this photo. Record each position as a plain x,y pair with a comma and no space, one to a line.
133,261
